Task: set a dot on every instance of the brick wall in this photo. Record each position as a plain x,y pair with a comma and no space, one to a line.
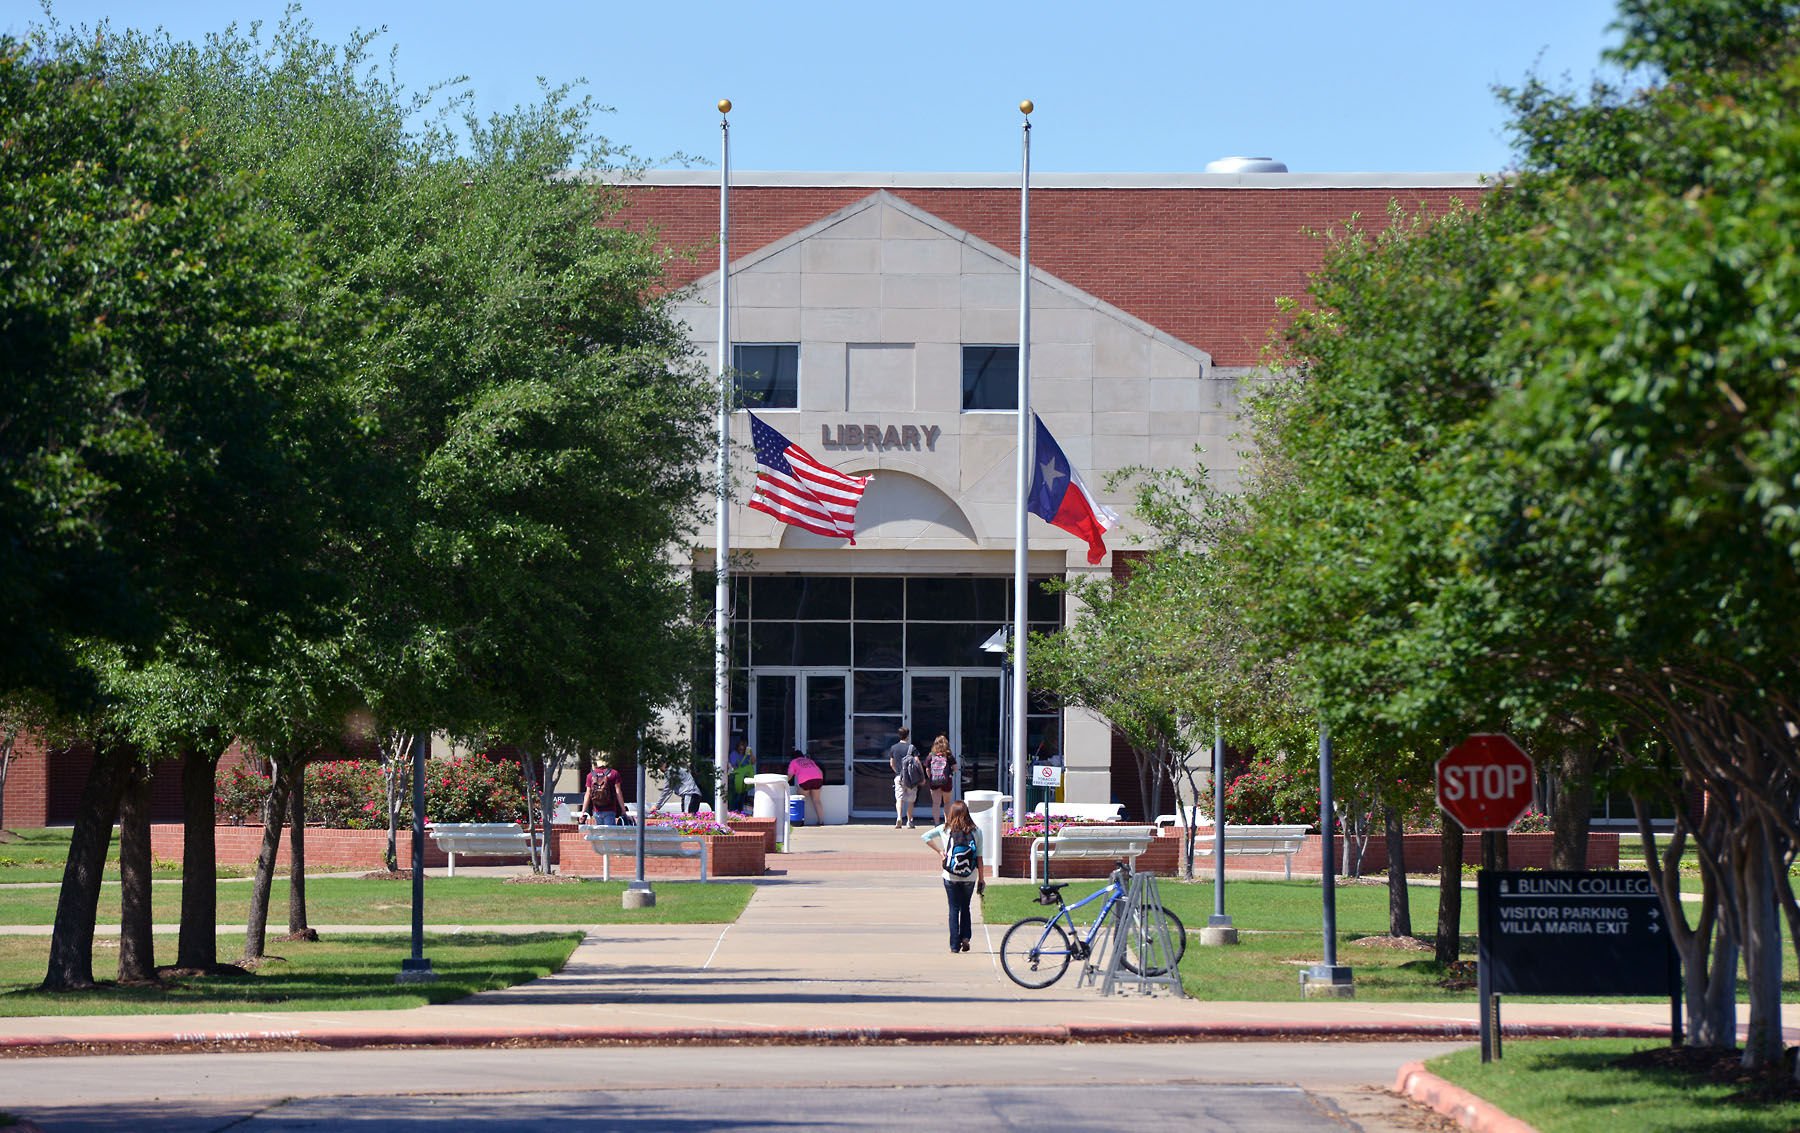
729,855
28,785
1204,265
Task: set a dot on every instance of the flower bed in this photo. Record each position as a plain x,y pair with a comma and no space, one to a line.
729,855
1162,857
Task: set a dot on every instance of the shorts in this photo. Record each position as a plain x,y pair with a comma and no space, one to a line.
811,784
902,792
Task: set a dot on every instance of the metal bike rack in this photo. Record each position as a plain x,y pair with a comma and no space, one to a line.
1140,921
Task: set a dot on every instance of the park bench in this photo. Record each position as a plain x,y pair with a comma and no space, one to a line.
482,839
1125,842
1257,841
610,840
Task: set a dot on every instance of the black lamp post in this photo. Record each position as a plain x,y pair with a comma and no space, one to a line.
1328,979
416,968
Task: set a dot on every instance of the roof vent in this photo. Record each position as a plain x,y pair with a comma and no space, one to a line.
1246,165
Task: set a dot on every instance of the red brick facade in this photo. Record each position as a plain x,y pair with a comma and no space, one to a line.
1203,265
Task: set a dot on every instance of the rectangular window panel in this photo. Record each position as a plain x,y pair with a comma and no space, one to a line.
1042,605
990,377
880,692
880,599
947,645
800,643
878,645
958,599
802,597
767,375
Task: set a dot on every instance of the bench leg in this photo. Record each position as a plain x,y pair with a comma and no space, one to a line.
605,867
453,865
1287,866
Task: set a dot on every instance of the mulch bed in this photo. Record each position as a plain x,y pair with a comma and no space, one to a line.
1758,1087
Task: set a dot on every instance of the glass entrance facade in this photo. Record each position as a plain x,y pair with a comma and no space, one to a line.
835,664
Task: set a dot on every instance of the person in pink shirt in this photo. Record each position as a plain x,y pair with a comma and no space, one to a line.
807,780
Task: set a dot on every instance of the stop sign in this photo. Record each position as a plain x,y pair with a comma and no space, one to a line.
1485,782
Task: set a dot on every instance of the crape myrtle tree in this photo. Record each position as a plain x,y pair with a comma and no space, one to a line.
1654,422
536,424
1536,465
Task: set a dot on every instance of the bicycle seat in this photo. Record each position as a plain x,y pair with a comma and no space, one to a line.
1050,894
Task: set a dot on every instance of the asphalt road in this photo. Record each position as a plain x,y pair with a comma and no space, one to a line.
1223,1087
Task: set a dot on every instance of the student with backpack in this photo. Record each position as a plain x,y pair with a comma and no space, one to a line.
909,772
960,852
940,776
603,797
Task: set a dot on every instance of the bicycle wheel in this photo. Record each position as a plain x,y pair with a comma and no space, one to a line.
1157,959
1035,952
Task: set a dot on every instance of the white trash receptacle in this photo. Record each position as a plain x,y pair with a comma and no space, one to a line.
987,808
769,800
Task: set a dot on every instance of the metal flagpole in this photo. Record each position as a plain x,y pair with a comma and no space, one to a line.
722,536
1021,541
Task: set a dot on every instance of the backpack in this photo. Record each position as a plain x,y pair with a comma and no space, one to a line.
602,791
912,772
937,769
959,857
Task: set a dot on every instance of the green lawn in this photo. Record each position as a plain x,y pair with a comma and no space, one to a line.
345,973
448,900
1577,1086
1278,925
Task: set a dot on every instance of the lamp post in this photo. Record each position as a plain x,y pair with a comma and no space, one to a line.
999,642
639,894
1328,979
1219,929
416,968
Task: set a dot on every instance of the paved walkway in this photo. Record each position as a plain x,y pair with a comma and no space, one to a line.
845,940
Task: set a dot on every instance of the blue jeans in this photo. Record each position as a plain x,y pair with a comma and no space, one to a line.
962,925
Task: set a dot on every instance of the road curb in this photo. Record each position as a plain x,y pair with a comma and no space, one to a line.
354,1038
1469,1111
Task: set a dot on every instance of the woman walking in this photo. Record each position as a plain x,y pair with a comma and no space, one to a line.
961,861
940,777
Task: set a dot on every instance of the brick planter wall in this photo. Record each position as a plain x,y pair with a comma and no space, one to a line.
731,855
763,826
1161,858
1524,851
326,849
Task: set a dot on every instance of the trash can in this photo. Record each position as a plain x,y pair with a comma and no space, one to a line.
770,801
988,809
797,809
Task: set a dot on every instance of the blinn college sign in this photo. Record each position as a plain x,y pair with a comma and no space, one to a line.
914,437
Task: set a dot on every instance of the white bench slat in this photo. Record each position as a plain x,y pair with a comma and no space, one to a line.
1262,841
610,840
1094,842
482,839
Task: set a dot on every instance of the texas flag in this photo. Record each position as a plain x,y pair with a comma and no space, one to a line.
1061,499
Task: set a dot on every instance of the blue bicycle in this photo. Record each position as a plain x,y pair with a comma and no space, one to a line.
1036,951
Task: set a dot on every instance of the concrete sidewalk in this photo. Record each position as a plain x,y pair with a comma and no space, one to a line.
848,942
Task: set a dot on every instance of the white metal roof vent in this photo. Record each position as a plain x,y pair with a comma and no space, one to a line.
1246,165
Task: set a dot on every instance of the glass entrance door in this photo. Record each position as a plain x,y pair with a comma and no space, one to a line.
979,709
807,710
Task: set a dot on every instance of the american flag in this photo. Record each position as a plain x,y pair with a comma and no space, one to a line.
796,489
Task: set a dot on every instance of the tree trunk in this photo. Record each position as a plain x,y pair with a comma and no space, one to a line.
1762,950
199,944
297,925
256,926
1450,863
137,945
1399,899
1571,811
71,964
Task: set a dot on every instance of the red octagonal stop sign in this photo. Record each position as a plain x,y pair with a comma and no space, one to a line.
1485,782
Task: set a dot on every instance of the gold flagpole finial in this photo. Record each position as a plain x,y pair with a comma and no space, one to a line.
724,106
1026,107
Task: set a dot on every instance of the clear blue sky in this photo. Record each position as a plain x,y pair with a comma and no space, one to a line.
1134,86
